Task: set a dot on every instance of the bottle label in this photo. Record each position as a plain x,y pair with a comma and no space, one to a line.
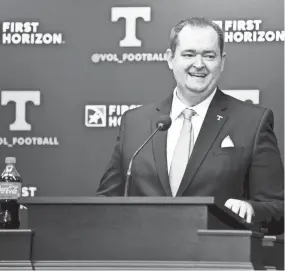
8,172
10,190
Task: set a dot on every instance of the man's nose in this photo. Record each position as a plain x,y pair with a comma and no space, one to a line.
198,62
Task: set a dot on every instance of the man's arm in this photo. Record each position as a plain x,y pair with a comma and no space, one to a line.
266,173
265,179
113,181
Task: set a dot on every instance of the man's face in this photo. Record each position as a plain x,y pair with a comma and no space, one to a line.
197,62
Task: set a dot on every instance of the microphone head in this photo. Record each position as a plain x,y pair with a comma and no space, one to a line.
163,123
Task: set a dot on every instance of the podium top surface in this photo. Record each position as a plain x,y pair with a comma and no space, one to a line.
119,200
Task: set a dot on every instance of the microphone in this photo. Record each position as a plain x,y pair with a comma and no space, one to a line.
162,124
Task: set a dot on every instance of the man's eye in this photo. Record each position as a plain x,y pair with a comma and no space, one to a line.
188,55
209,56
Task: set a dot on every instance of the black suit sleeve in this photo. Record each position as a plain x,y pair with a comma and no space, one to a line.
113,181
266,175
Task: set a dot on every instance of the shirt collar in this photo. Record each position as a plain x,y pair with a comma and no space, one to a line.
200,109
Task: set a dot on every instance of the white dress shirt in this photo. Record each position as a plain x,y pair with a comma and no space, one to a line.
177,122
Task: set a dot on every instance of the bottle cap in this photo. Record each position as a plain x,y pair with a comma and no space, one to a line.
10,160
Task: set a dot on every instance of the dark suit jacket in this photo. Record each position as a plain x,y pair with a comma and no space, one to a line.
252,170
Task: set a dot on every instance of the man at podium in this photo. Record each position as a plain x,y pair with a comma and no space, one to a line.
215,146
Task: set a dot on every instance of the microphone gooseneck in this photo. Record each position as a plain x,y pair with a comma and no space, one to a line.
163,124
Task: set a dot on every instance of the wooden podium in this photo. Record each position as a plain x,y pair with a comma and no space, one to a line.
140,233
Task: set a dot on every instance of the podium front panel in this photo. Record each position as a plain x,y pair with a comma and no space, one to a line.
116,232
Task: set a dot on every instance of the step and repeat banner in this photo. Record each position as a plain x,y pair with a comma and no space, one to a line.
69,70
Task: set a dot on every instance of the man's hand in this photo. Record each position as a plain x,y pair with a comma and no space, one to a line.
242,208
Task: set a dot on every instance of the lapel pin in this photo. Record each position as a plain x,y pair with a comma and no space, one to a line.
219,117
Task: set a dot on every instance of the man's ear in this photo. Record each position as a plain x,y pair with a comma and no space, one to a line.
223,60
169,58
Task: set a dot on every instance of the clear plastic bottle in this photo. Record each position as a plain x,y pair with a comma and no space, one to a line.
10,191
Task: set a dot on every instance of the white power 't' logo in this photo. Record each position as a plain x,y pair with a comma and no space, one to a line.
20,98
131,14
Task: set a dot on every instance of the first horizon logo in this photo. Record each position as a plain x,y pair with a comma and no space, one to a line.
28,33
105,115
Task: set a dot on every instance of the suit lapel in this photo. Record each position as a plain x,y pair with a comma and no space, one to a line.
208,133
159,145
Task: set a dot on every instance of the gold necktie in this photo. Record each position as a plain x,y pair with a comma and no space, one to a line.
182,151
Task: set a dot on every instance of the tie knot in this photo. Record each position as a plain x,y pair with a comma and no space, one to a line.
188,113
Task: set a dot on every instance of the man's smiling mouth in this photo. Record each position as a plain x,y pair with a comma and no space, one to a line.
200,75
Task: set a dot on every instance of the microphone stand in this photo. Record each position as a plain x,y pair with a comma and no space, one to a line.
129,172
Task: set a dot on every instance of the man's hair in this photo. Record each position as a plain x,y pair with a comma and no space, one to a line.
195,22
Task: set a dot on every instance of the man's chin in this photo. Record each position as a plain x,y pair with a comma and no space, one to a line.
197,89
